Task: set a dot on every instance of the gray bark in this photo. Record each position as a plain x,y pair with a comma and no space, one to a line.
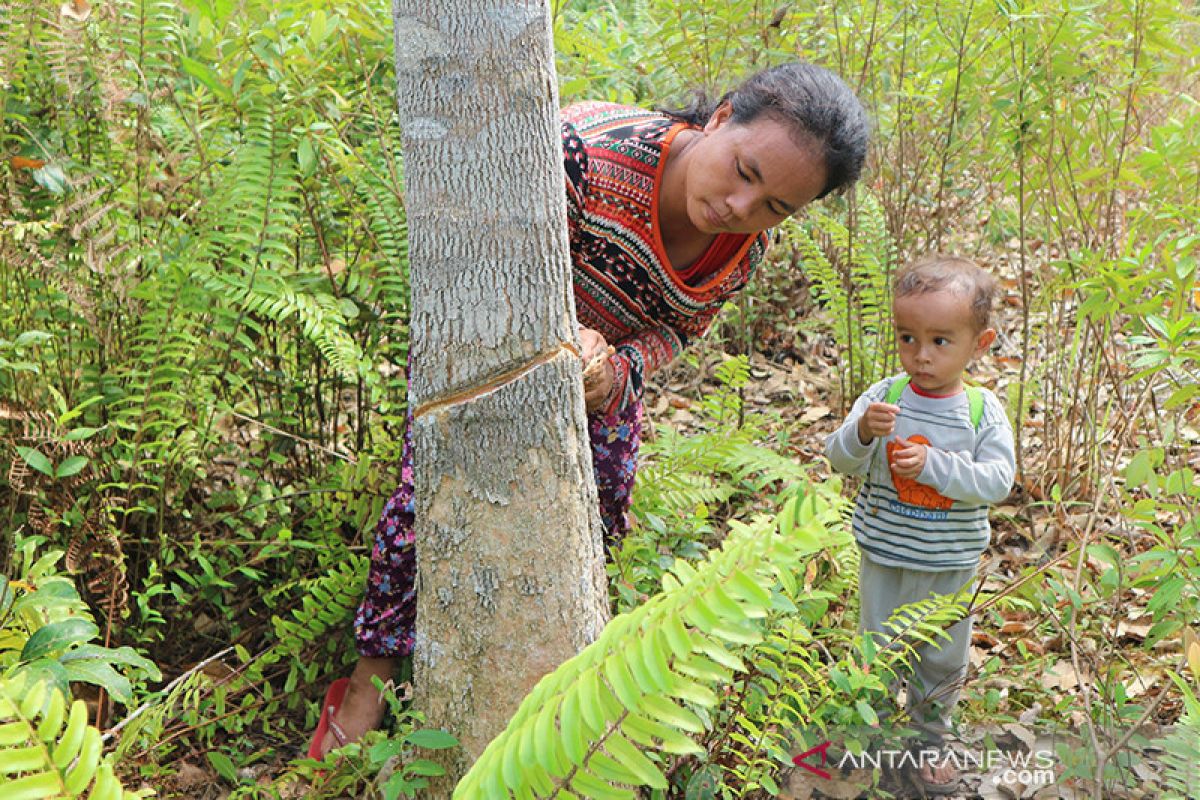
508,536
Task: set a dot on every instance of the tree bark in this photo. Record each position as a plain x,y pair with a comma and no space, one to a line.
508,535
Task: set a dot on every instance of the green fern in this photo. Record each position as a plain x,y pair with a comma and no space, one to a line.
790,687
605,719
850,259
48,750
1181,747
319,315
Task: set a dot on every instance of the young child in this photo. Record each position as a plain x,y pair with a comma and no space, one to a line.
934,455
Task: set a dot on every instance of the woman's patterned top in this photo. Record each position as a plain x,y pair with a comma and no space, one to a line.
625,287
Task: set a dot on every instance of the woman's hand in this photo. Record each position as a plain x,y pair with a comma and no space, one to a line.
597,368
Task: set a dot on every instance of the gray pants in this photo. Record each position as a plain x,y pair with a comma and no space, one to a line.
937,676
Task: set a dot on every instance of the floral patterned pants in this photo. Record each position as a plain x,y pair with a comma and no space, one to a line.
386,620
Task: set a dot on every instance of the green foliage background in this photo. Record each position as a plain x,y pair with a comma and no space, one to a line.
203,304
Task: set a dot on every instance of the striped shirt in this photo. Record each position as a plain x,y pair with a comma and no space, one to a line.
625,286
938,521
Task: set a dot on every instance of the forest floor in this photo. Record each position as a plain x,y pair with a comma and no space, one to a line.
1044,692
1036,700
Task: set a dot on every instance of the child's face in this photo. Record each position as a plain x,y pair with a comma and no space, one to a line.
936,337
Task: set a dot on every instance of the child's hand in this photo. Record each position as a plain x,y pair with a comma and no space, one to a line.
909,458
879,421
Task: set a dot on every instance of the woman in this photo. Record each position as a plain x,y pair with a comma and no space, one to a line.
667,215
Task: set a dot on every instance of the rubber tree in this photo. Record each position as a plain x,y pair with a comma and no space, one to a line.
511,578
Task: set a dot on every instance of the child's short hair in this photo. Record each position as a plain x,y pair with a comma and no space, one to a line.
938,272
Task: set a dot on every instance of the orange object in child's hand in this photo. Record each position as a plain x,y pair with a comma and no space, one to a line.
911,491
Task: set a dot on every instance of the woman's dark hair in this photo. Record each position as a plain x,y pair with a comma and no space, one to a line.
817,105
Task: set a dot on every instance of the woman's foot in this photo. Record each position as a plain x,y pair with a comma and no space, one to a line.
362,708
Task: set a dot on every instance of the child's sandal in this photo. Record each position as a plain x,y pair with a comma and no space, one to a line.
930,787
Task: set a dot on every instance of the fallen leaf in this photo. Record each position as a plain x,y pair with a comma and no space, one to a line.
188,775
815,413
799,784
1061,676
1023,735
1133,630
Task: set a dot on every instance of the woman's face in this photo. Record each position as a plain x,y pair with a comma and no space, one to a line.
745,178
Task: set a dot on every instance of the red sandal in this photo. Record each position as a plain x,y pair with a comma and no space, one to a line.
333,701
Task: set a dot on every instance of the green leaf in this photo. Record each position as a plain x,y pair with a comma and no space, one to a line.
633,759
223,765
654,652
36,459
58,636
677,636
666,711
71,466
423,766
589,699
571,726
100,674
33,787
749,590
78,434
866,712
432,739
1139,469
306,156
382,751
719,654
21,759
694,693
590,786
206,76
622,682
32,337
703,784
51,178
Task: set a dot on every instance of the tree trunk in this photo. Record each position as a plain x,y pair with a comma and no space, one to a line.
508,533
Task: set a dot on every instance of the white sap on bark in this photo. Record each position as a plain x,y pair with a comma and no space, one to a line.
508,539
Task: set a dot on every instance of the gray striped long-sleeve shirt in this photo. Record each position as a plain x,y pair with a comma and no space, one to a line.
939,521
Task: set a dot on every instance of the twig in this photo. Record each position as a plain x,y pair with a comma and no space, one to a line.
111,732
294,437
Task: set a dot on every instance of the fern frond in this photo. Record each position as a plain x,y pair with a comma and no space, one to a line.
1181,747
319,316
608,718
47,749
850,260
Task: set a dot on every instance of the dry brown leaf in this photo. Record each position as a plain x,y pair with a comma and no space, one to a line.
799,784
815,413
1061,676
1133,630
